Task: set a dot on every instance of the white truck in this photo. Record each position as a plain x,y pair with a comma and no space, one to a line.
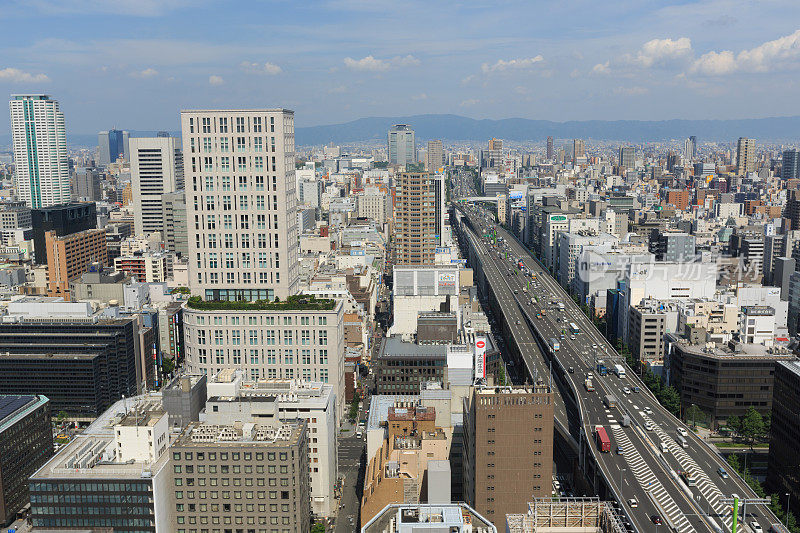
619,371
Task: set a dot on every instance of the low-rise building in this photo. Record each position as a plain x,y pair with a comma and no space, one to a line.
414,518
401,367
231,399
723,379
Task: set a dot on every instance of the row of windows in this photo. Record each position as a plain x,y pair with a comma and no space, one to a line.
226,494
220,124
229,144
267,320
257,337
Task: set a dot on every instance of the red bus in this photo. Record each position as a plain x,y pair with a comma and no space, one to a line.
603,442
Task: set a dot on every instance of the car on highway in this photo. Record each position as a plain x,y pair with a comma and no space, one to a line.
722,473
649,426
626,390
656,520
648,410
571,370
756,527
619,451
633,502
682,432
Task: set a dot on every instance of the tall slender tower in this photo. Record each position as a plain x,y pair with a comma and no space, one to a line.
156,169
745,156
40,150
550,151
401,145
241,203
415,218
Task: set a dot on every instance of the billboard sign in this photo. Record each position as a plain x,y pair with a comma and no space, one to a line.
480,357
447,279
516,195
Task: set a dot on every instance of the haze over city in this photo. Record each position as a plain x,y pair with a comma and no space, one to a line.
136,63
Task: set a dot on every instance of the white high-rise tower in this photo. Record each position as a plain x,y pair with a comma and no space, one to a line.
156,169
241,203
40,150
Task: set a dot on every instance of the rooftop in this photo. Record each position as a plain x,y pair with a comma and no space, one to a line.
201,434
394,346
408,518
293,303
13,408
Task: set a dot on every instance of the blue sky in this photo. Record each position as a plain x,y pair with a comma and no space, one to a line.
134,64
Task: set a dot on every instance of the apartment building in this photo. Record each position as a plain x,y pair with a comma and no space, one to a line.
241,203
70,256
415,219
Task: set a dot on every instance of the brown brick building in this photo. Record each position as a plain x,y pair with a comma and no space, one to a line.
508,449
69,256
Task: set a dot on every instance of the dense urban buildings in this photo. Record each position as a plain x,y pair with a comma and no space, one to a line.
239,166
40,150
62,220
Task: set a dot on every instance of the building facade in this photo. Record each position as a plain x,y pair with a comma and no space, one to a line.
176,231
39,142
253,478
415,219
508,451
156,169
434,157
242,213
288,342
745,156
71,255
26,438
783,469
112,145
401,145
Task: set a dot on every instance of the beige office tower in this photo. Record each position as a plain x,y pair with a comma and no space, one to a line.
241,203
745,156
434,160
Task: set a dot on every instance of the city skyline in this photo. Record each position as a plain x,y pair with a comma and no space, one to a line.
696,59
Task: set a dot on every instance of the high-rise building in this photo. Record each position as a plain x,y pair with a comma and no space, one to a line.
790,168
508,448
690,148
550,150
71,255
87,185
402,145
627,157
113,145
434,158
578,149
176,231
415,218
745,156
40,150
26,439
156,169
242,214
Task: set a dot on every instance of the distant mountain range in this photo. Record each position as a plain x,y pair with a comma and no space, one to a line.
454,127
458,128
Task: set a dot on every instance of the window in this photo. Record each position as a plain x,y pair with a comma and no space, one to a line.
258,144
223,144
223,125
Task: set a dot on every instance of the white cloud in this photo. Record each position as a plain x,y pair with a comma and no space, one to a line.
215,80
631,91
368,64
512,64
601,68
261,68
658,51
16,75
470,102
372,64
783,52
146,73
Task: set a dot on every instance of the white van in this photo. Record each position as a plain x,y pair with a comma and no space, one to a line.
664,448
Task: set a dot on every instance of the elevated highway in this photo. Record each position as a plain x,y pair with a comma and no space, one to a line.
647,454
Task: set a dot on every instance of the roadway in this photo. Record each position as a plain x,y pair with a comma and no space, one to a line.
642,470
